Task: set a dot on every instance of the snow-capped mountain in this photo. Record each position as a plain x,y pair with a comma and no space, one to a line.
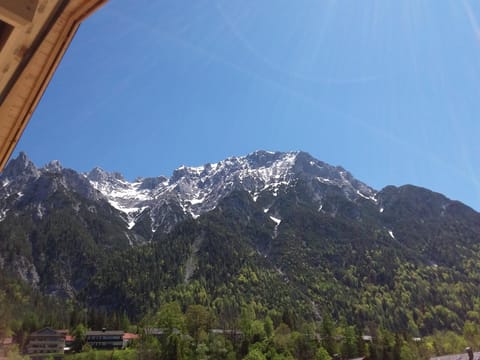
161,202
191,191
63,231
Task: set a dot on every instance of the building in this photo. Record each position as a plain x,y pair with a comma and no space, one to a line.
45,343
234,335
69,340
159,332
34,35
6,344
367,338
105,339
128,338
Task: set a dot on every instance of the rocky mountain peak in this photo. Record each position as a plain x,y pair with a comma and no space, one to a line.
20,166
268,158
54,166
151,182
99,175
307,167
196,190
181,172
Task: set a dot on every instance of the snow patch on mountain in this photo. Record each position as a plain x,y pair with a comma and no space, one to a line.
190,191
371,198
3,215
198,189
275,220
127,197
162,202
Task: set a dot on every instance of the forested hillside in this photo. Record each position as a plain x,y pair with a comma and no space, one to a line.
315,249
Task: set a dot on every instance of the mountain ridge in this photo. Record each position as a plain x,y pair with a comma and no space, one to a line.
241,229
197,190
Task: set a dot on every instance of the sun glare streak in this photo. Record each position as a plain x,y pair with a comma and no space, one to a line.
472,19
415,17
468,168
311,33
465,167
248,46
208,54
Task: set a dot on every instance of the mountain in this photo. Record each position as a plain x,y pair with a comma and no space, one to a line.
281,230
52,224
192,191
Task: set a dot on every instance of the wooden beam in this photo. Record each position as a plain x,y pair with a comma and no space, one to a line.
18,12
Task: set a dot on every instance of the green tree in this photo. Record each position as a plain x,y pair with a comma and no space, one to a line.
5,312
148,348
255,354
407,352
322,354
176,348
219,347
470,331
201,352
257,331
303,346
327,333
268,326
79,337
14,354
170,316
247,316
198,321
283,338
349,343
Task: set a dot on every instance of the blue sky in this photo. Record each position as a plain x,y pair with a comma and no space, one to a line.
388,89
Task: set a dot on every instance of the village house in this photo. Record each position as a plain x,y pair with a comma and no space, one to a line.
45,343
6,344
69,339
160,332
105,339
234,335
128,338
228,333
155,332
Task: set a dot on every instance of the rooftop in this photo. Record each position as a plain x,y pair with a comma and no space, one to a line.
105,332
